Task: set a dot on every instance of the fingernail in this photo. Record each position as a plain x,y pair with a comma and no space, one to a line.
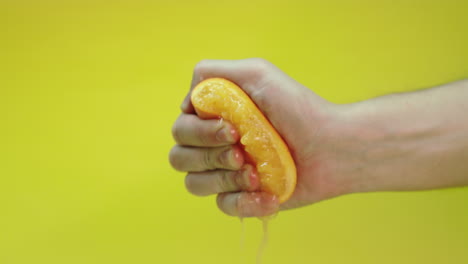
225,135
248,179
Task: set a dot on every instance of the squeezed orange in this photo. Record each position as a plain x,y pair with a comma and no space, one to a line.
264,147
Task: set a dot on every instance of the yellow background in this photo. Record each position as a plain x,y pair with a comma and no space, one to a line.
89,91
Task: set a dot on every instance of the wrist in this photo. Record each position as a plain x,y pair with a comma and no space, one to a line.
354,138
342,143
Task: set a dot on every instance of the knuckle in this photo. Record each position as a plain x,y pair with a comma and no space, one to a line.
261,62
208,160
203,134
190,184
228,203
220,202
174,158
259,66
176,131
201,66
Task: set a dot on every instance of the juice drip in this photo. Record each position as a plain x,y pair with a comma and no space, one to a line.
263,244
242,242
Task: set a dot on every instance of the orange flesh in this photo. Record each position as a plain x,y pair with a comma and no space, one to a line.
265,149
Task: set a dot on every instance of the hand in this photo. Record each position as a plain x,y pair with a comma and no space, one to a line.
206,150
409,141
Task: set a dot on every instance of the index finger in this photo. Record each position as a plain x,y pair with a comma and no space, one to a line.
246,73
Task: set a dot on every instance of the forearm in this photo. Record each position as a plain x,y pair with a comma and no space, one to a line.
411,141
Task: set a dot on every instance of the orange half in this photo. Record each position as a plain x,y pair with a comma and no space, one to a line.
220,98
